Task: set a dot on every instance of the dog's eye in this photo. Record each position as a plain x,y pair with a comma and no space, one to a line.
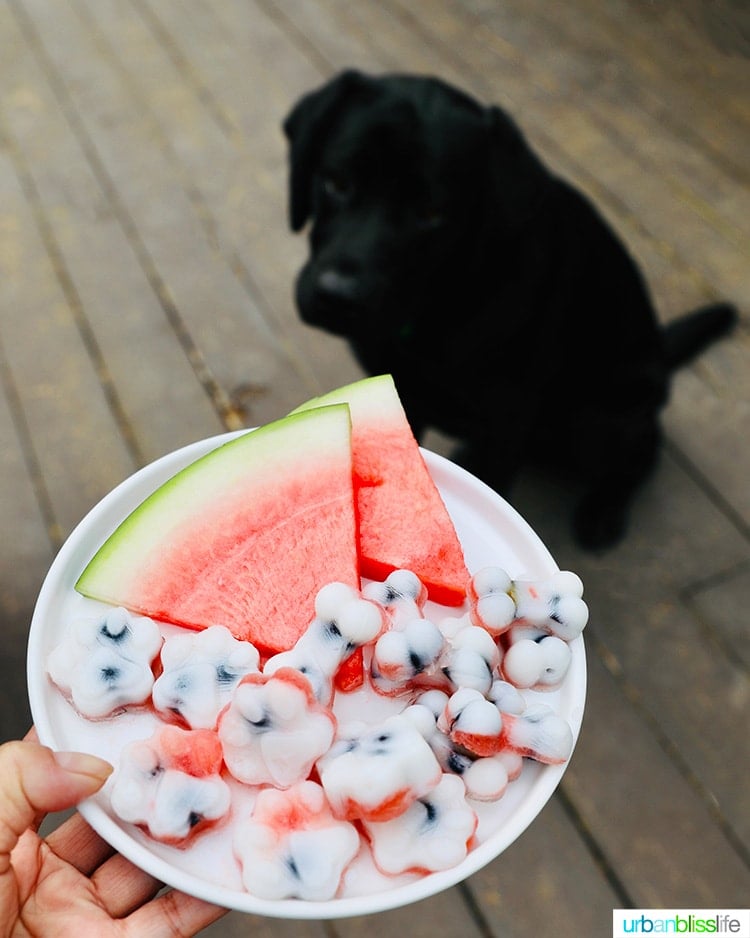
337,187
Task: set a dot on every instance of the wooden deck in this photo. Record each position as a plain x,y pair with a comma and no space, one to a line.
145,302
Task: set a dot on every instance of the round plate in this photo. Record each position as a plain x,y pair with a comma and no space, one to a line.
491,533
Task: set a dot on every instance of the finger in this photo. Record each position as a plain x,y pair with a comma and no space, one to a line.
33,779
174,914
78,844
122,887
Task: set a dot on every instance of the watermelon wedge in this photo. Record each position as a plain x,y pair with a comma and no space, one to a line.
403,521
243,537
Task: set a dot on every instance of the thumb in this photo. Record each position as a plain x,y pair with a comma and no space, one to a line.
35,780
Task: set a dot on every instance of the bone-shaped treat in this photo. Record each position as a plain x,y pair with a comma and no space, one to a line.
103,665
171,784
343,622
200,672
274,729
538,665
292,847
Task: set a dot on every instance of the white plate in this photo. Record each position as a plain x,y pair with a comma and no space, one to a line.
491,532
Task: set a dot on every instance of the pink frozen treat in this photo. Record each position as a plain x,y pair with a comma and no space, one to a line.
433,833
103,665
377,773
292,847
170,784
200,672
274,729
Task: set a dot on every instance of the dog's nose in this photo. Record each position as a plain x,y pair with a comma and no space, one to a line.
337,285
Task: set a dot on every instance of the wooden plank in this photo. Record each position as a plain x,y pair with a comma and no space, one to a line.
243,177
547,873
235,344
445,913
162,399
646,816
80,449
720,604
238,925
25,555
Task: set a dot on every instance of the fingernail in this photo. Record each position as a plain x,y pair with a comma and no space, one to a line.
81,763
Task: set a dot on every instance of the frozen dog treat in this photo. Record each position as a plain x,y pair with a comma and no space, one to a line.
554,605
104,664
539,734
292,847
492,606
274,729
343,622
200,672
432,834
472,722
405,656
377,772
539,665
170,784
402,594
470,657
485,779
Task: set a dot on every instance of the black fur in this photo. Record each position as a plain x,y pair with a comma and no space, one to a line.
507,310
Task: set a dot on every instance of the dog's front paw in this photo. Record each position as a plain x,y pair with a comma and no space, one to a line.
599,525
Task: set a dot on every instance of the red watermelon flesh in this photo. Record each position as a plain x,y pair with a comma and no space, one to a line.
403,521
244,537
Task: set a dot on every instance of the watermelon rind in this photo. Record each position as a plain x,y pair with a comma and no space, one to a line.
287,487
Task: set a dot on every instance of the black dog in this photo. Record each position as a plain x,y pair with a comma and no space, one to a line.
506,309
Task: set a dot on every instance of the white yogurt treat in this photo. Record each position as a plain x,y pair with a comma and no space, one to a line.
103,664
200,673
274,729
171,784
292,846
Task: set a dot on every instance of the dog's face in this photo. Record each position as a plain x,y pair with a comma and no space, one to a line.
401,177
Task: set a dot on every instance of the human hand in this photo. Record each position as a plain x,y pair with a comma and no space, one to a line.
73,884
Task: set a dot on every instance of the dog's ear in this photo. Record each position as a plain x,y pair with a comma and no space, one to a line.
518,177
305,127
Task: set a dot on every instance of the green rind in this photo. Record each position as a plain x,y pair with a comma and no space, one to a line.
259,453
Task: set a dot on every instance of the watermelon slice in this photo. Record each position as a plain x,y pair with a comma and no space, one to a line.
244,537
403,522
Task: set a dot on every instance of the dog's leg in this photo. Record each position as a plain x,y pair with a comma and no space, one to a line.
600,519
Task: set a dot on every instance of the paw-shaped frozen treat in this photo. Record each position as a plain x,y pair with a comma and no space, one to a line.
292,847
171,784
376,772
274,729
103,665
491,605
200,672
537,665
554,605
472,722
433,833
343,622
